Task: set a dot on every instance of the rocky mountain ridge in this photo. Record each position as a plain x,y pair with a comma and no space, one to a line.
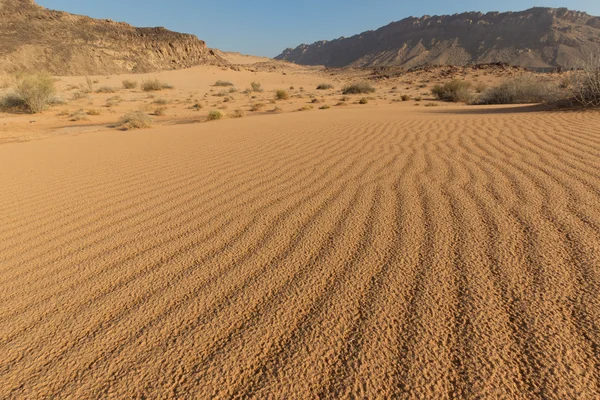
536,38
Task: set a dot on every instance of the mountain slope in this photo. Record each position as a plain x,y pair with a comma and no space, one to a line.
33,38
538,37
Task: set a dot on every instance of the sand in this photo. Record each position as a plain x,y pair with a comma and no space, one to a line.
378,251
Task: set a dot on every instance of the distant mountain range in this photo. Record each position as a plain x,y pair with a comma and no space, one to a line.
33,38
535,38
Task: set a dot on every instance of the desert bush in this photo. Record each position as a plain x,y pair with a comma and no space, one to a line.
521,90
232,90
431,104
325,107
325,86
79,95
160,111
135,120
455,90
238,113
282,94
585,84
34,92
127,84
223,83
93,112
277,110
306,107
196,107
405,97
341,103
161,101
256,87
364,100
105,89
79,115
480,87
257,107
154,85
88,86
358,88
214,115
11,100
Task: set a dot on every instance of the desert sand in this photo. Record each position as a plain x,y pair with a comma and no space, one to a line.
384,250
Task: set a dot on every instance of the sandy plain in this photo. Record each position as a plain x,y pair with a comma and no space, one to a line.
384,250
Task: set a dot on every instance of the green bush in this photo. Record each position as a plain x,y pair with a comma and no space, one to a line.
34,92
456,91
359,88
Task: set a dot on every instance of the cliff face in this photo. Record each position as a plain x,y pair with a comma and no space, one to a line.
33,38
539,37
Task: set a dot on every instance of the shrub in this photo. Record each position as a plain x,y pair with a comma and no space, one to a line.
154,85
93,112
160,111
364,100
135,120
257,107
282,95
405,97
305,107
88,86
214,115
238,113
341,103
358,88
521,90
105,89
223,83
418,98
127,84
325,86
431,104
161,101
455,90
35,92
325,107
78,115
256,87
585,86
232,90
79,95
11,100
196,107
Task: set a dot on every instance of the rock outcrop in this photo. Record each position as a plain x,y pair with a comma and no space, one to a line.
33,38
535,38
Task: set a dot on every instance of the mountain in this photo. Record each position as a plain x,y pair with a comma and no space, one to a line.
33,38
536,38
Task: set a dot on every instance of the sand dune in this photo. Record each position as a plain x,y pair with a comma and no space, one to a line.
357,253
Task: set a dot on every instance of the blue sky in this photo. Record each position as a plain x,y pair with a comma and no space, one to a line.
266,27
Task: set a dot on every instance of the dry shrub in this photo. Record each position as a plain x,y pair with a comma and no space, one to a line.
325,107
282,95
525,89
364,100
256,87
214,115
93,112
585,85
257,107
223,83
136,120
325,86
455,90
79,115
160,111
33,92
161,101
238,113
105,89
154,85
127,84
359,88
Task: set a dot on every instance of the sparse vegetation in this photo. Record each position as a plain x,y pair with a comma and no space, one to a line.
105,89
325,107
341,103
521,90
282,94
93,112
128,84
214,115
306,107
455,91
256,87
325,86
431,104
196,107
359,88
79,115
160,111
237,113
88,86
154,85
161,101
223,83
32,92
364,100
257,107
135,120
585,85
405,97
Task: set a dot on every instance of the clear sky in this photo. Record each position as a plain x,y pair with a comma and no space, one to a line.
266,27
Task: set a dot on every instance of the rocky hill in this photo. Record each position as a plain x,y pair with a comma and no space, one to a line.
33,38
535,38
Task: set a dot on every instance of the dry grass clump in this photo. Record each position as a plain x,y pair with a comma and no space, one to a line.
256,87
128,84
223,83
341,104
525,89
405,97
160,111
214,115
237,113
32,92
325,86
93,112
113,101
88,86
79,95
325,107
455,91
196,107
105,89
282,94
257,106
79,115
135,120
364,100
154,85
306,107
431,104
160,101
585,85
359,88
